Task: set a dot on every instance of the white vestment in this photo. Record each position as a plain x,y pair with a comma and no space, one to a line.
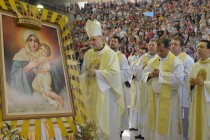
200,121
126,75
103,93
174,79
132,58
184,98
134,109
188,62
138,71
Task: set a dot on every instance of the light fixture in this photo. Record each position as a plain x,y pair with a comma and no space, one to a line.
39,6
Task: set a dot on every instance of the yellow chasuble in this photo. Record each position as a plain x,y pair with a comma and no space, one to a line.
199,122
120,56
199,96
96,101
133,89
144,61
164,96
182,56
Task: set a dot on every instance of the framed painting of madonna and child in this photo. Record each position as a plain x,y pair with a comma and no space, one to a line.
34,79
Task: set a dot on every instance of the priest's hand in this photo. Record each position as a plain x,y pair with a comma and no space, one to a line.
91,72
144,66
154,73
192,81
199,82
151,74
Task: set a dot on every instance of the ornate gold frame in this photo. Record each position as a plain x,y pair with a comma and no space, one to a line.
61,23
66,124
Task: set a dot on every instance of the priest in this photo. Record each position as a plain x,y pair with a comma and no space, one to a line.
199,89
126,76
177,49
138,71
101,85
164,75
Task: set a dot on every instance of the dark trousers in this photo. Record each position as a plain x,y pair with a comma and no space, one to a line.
185,123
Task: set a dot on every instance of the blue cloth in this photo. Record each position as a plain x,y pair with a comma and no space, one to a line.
22,82
149,14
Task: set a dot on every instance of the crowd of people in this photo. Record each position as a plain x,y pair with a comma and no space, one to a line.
191,21
160,60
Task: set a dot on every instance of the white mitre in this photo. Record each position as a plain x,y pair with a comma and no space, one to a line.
93,28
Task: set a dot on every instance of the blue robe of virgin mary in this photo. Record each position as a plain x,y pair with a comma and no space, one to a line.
22,81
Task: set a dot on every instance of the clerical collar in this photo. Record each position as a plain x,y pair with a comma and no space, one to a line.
151,56
204,61
165,56
179,54
100,49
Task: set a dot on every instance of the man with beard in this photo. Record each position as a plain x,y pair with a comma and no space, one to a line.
126,76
